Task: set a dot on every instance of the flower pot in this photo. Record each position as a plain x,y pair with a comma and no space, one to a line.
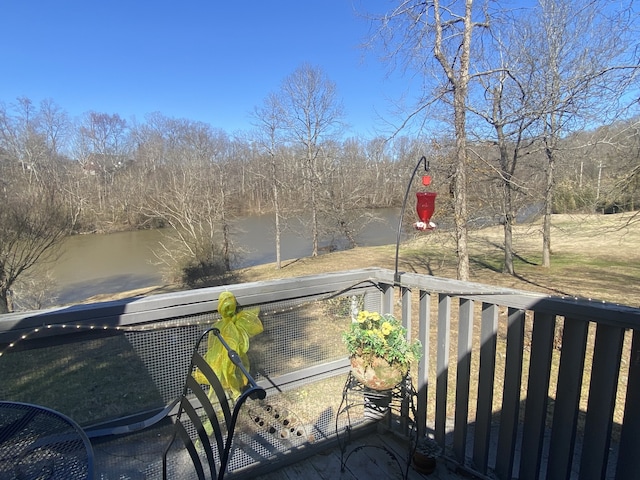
424,463
376,373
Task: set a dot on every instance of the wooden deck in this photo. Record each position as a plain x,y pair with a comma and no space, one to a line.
382,456
138,457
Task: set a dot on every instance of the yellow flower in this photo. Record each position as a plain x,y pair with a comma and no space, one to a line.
362,317
378,333
386,328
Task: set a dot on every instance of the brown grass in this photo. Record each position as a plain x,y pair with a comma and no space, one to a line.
593,256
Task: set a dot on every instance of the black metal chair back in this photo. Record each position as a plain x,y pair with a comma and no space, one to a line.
206,418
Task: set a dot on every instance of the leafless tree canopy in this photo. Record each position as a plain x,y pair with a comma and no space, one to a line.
33,225
528,76
516,108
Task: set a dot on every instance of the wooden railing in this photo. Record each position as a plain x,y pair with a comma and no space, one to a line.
542,385
512,384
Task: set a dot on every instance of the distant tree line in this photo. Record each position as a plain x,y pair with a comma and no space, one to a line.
516,110
103,174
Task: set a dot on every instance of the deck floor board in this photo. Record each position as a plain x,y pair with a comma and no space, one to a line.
370,461
138,457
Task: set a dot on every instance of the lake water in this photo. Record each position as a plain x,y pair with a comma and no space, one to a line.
104,264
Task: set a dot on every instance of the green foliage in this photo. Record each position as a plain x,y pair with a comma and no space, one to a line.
382,336
569,198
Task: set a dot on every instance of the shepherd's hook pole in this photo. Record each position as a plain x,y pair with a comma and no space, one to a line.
396,276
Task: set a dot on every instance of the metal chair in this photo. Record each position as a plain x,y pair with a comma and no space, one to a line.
206,418
39,443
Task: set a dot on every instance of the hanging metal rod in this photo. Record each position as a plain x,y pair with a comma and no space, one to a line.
423,160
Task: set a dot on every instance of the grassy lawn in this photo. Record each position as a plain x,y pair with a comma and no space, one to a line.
593,256
87,381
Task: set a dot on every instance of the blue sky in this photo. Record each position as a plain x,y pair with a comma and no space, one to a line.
204,60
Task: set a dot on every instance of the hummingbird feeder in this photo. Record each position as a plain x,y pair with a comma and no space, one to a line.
425,206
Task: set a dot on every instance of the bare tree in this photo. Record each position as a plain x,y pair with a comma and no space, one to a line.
269,122
102,148
34,224
55,125
192,201
312,115
584,57
618,149
346,183
508,111
33,217
414,33
22,138
103,139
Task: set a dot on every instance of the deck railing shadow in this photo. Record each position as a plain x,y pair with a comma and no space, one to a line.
512,384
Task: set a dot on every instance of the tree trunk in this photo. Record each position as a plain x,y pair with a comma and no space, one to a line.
226,238
506,174
460,189
276,207
459,81
278,236
508,245
460,89
546,223
548,206
313,185
5,301
314,221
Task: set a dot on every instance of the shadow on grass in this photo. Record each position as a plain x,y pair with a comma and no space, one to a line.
88,379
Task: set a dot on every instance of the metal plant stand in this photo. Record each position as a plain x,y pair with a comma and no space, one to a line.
392,409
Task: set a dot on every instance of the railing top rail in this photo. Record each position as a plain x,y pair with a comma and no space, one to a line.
592,310
192,302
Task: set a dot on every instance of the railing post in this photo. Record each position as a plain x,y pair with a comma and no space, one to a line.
567,398
442,366
406,310
463,374
602,400
406,322
424,327
537,395
484,410
387,298
509,415
629,454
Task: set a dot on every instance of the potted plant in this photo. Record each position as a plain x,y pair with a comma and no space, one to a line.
425,454
379,350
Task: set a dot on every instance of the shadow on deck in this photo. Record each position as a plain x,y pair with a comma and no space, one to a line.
138,457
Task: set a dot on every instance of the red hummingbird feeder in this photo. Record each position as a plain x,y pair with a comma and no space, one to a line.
425,206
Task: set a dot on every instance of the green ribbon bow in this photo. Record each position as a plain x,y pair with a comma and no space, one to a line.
236,328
